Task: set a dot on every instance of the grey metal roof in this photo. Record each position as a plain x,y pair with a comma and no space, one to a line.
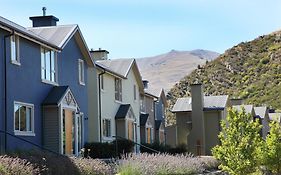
58,35
261,111
55,95
143,119
210,103
248,108
275,117
120,67
122,111
18,28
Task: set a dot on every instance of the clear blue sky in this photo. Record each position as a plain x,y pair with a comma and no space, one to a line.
140,28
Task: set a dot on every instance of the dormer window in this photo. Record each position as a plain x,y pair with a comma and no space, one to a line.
48,66
15,51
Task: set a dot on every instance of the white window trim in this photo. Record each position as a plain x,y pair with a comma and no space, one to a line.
25,133
55,83
81,78
107,138
17,54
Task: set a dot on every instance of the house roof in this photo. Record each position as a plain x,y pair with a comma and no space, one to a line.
60,35
121,68
158,124
122,111
248,108
210,103
275,117
261,111
143,119
18,29
158,93
55,95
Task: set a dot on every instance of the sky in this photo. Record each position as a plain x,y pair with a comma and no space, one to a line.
143,28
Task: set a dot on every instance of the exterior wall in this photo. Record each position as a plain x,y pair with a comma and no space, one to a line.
94,122
109,106
183,120
25,85
212,129
2,124
171,135
149,109
51,128
196,140
265,125
120,128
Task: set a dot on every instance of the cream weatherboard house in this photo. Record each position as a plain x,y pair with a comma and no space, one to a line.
118,98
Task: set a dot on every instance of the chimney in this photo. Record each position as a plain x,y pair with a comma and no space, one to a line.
42,21
99,54
198,121
145,84
236,101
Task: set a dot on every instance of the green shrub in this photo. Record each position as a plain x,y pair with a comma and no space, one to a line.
108,150
271,152
240,144
180,149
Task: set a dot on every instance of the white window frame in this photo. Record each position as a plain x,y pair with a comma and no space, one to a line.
24,133
81,72
104,127
118,89
54,70
15,57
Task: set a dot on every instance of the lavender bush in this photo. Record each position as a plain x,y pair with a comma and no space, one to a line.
93,166
16,166
150,164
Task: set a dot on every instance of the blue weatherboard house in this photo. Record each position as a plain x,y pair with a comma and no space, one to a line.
43,86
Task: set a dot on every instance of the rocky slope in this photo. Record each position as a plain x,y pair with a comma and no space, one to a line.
249,70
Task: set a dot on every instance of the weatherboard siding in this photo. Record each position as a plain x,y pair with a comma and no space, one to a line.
51,128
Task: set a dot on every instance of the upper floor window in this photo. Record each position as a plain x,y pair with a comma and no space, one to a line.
23,119
15,51
81,72
135,92
48,65
106,127
118,89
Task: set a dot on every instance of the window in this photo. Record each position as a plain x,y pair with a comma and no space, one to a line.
48,65
142,102
135,92
118,89
23,118
106,127
101,82
15,56
81,72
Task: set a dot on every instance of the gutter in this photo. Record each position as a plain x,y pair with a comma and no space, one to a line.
99,78
5,90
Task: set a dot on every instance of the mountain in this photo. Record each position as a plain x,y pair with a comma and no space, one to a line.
163,71
249,70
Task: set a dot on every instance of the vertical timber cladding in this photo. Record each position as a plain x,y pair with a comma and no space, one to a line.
51,128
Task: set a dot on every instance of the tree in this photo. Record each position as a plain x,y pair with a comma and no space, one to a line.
271,154
240,143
